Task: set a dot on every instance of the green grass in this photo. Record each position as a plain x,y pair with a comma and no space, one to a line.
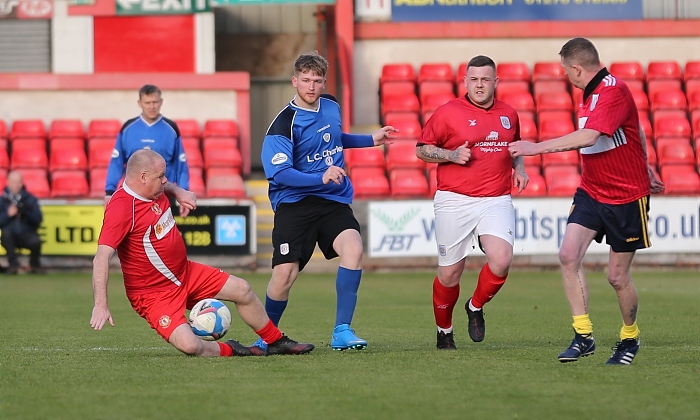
53,366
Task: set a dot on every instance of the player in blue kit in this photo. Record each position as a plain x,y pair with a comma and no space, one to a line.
302,155
150,130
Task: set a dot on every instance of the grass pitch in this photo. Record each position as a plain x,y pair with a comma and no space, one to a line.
53,366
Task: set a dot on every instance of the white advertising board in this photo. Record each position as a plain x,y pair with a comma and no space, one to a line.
407,228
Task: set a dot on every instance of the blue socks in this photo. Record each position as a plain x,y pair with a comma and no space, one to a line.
346,285
275,309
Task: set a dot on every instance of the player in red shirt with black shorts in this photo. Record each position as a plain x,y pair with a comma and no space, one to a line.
612,200
160,281
468,138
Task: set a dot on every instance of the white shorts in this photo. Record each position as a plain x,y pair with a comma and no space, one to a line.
460,219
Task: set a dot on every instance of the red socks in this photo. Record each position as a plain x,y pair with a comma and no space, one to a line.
444,301
269,333
225,350
486,288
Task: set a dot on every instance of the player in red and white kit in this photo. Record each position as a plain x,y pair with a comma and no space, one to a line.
160,281
612,199
468,137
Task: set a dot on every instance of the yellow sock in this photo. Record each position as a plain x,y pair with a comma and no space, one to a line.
631,331
583,324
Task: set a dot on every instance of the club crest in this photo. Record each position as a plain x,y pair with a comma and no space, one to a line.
505,122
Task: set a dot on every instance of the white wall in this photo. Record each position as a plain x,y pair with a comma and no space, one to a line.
89,105
72,41
371,55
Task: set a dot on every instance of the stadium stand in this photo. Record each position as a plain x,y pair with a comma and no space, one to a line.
104,128
366,157
36,180
403,155
680,179
29,153
631,72
98,178
100,151
222,182
69,184
68,153
408,183
193,150
536,187
221,152
66,128
197,185
27,129
188,128
220,128
370,182
398,72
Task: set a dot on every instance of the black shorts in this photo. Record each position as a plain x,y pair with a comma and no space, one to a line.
299,226
625,226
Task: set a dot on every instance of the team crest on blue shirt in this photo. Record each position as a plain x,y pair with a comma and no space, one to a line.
505,122
326,137
156,208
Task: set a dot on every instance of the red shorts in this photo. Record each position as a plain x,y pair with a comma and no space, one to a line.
165,310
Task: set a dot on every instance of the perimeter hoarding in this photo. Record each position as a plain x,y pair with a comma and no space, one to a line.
514,10
407,228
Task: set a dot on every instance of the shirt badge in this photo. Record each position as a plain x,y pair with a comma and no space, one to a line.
164,321
505,122
156,208
326,137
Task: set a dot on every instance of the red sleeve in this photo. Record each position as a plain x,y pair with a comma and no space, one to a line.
609,113
434,130
118,221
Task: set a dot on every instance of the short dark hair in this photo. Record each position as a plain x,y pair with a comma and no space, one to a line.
311,61
148,90
481,61
582,52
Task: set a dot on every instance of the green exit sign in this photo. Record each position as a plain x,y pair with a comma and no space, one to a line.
239,2
161,7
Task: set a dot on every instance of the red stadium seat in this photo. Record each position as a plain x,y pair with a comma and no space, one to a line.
692,70
694,101
403,155
36,181
669,99
28,129
507,86
520,100
98,180
224,183
550,70
554,101
461,73
400,103
434,87
461,90
680,180
193,151
4,159
553,125
68,154
434,101
671,127
513,71
674,151
69,184
29,153
370,182
533,162
100,151
66,128
536,187
3,129
665,114
365,156
435,71
528,129
576,97
3,176
197,182
663,70
222,152
569,157
220,128
398,88
692,86
550,86
425,116
408,125
188,128
631,72
562,181
662,85
695,118
651,153
408,183
398,72
640,99
104,128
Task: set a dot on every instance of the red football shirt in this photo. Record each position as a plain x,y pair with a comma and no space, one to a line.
488,133
151,250
615,167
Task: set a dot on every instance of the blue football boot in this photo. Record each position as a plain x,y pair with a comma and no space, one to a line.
344,338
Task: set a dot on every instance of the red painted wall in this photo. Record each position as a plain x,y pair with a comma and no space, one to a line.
144,44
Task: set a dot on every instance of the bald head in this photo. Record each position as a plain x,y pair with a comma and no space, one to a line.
15,182
144,160
145,173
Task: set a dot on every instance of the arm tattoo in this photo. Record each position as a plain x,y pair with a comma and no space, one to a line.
434,152
519,166
562,149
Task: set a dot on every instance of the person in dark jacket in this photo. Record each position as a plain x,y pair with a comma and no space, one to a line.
20,218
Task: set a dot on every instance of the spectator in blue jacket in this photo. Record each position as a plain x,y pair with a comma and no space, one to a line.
150,130
20,218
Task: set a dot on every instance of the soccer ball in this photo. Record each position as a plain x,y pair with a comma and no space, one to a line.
210,319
